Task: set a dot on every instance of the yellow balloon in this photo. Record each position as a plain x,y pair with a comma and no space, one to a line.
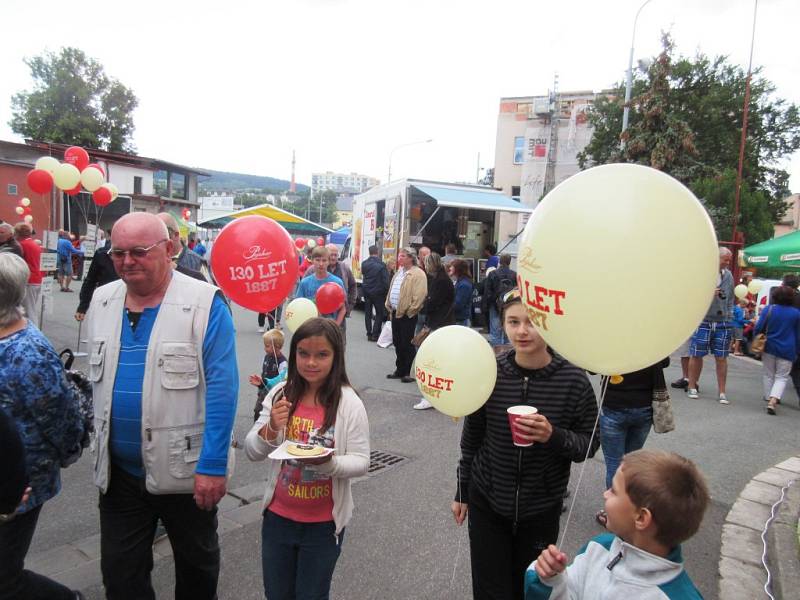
311,244
66,176
113,189
298,311
597,254
25,202
28,219
48,163
755,286
92,179
740,291
456,370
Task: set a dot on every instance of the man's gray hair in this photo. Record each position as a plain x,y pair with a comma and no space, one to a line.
724,251
410,252
6,231
14,275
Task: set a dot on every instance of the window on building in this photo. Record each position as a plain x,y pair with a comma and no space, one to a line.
12,189
137,184
515,190
519,149
160,183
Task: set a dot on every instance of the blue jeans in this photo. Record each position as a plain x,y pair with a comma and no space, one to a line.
497,336
297,559
622,431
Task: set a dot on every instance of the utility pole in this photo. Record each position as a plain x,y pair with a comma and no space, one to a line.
552,153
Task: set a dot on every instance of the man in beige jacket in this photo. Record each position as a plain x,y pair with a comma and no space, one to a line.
406,296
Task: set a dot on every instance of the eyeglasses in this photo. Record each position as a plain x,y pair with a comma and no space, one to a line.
138,252
511,295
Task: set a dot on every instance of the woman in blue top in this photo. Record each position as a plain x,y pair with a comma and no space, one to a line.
781,322
463,285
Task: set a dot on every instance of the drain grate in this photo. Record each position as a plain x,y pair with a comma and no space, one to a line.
382,461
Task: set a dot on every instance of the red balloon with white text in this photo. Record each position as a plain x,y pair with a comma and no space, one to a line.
254,262
40,181
77,156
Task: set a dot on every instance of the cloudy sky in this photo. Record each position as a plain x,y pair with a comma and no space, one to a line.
238,85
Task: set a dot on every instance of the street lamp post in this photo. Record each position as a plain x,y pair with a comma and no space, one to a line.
629,82
389,176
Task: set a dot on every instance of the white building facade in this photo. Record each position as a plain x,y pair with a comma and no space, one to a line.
342,182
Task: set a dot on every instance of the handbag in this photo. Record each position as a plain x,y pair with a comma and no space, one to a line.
663,418
760,340
420,337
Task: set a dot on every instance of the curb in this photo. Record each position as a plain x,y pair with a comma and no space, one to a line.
77,564
741,574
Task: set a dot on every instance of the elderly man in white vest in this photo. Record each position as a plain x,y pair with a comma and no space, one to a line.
163,367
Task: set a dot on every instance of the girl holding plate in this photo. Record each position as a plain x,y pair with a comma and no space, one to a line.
308,501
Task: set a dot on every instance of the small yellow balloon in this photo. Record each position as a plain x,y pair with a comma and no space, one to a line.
113,189
616,379
48,163
755,286
311,244
92,179
740,291
298,311
28,219
456,370
25,202
66,176
19,210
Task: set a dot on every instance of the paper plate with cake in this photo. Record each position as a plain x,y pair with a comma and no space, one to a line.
291,450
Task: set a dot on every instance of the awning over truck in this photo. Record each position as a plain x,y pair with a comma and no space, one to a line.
476,199
292,223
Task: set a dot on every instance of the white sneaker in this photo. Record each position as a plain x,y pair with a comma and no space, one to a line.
723,399
422,405
260,330
693,394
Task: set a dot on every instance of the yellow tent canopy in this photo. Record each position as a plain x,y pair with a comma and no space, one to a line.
292,223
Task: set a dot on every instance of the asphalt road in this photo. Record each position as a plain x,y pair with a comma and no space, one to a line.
402,542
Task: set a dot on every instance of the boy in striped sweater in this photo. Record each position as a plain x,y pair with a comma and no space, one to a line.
656,501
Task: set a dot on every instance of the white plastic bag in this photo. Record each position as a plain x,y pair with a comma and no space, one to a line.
385,338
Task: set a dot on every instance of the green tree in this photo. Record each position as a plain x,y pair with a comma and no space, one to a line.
717,193
686,118
74,102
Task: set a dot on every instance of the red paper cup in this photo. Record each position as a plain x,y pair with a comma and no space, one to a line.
514,413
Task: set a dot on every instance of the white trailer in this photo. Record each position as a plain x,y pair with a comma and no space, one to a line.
414,212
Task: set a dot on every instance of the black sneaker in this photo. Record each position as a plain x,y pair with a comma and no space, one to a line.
680,384
407,379
394,375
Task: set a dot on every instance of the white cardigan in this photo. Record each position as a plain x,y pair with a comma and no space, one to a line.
350,458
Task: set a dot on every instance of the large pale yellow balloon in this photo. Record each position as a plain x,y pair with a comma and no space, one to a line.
47,163
596,258
754,286
66,176
92,178
740,291
456,370
298,311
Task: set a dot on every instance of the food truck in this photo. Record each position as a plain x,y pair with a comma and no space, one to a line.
415,212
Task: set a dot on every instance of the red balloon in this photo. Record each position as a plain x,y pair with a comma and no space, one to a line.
74,191
40,181
75,155
98,167
330,297
254,262
102,196
26,210
320,241
300,243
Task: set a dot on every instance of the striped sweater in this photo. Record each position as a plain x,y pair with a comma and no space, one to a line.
521,483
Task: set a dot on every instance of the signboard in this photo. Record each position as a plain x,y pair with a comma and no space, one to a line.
47,296
88,248
537,146
48,262
91,232
50,240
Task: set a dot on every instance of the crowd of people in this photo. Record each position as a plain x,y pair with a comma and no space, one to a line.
164,380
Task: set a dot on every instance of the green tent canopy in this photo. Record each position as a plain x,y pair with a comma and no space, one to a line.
782,252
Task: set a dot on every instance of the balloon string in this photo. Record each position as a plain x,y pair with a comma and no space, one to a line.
603,388
461,536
